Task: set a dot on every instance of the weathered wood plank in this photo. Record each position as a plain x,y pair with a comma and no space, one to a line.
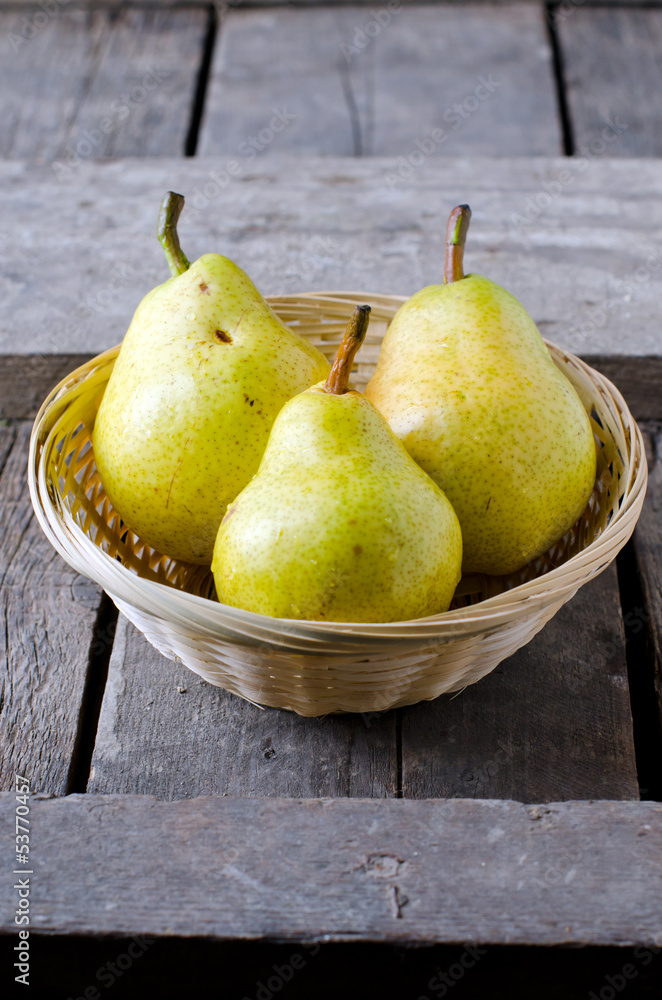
648,549
7,439
346,869
223,5
448,80
164,731
44,78
614,74
279,82
48,615
553,722
90,84
639,380
482,74
76,257
26,379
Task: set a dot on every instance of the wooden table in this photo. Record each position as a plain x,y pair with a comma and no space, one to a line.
524,811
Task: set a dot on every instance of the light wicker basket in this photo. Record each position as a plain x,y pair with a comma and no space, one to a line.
314,668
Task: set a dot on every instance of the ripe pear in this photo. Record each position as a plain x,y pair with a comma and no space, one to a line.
467,384
339,524
200,377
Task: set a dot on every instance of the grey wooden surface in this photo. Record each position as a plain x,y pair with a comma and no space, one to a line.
355,85
46,634
554,718
551,723
346,869
221,5
648,548
358,80
614,74
576,238
88,85
82,252
164,731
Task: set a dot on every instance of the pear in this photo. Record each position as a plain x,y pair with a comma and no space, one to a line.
339,524
467,384
200,377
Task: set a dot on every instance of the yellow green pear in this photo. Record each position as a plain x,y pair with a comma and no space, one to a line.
339,524
200,377
467,384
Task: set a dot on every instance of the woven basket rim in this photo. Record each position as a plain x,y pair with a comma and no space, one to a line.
215,619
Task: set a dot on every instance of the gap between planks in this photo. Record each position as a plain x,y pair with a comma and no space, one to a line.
552,721
643,585
162,730
48,629
390,94
99,83
613,77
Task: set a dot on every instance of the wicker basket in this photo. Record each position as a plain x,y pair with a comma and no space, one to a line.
314,668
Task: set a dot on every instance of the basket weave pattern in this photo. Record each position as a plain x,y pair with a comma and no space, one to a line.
314,668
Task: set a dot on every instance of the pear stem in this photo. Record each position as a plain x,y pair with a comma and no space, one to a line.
171,207
456,234
338,381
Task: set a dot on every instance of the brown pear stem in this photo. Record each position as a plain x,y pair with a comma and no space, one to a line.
338,381
456,234
171,208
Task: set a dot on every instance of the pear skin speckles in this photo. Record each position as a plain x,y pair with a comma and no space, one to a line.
174,439
339,524
467,384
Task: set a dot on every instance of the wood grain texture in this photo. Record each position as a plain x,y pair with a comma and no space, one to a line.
164,731
648,549
223,5
88,84
77,257
639,380
26,380
47,615
613,72
346,869
553,722
482,74
362,82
